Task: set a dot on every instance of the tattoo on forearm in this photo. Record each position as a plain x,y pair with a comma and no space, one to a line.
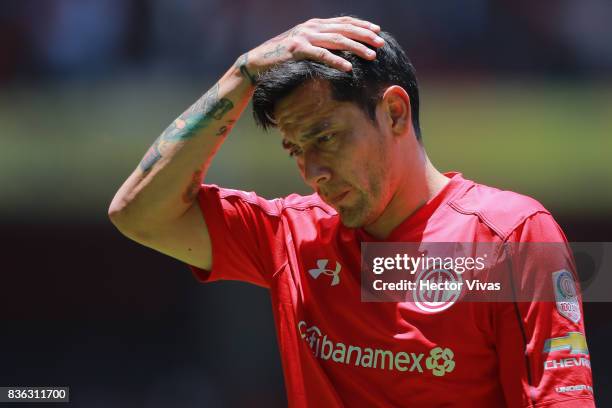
151,157
194,186
206,109
241,64
223,130
276,52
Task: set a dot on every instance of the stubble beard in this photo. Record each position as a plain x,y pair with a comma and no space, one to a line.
355,215
362,212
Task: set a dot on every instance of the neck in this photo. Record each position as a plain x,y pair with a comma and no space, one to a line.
416,187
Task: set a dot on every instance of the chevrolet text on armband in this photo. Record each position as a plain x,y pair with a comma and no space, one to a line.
440,361
414,263
573,343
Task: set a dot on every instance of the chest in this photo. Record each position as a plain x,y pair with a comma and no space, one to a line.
322,286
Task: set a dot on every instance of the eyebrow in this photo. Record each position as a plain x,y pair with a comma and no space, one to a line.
316,129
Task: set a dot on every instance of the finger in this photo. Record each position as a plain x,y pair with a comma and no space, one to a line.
356,33
325,56
335,41
355,21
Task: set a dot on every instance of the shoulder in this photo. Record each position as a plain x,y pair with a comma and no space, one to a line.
501,210
277,207
313,202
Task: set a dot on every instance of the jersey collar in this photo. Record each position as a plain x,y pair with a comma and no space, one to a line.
418,220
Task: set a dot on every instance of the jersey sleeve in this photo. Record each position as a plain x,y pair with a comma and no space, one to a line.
246,235
542,351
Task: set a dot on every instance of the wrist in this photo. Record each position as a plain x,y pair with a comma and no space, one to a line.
245,69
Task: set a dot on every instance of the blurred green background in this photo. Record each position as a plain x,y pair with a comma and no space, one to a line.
66,148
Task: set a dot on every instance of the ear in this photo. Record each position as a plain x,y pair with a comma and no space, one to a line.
395,106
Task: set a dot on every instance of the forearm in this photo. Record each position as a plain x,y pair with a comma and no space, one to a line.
165,183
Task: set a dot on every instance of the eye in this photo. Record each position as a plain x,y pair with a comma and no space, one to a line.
295,151
325,138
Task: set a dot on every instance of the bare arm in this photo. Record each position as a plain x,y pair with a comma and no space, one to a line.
156,205
156,202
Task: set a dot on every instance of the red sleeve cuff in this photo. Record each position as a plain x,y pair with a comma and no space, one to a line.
210,210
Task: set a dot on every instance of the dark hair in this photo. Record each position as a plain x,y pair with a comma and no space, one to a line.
364,85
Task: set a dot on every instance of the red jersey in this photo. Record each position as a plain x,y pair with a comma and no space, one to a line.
338,351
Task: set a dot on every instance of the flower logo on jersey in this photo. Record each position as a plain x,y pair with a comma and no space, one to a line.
436,300
323,270
440,361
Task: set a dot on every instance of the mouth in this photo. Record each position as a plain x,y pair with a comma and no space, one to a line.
337,199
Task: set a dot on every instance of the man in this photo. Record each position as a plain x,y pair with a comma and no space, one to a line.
345,98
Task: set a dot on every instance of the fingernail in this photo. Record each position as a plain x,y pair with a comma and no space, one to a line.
374,27
379,40
370,53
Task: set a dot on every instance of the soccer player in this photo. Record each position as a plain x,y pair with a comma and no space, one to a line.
345,98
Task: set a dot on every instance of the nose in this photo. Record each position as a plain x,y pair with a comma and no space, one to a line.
315,172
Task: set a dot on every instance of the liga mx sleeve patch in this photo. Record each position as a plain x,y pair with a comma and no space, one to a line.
566,295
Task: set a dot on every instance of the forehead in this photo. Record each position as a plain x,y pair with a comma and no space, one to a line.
309,107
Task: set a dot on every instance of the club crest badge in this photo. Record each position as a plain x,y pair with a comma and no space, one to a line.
437,300
566,295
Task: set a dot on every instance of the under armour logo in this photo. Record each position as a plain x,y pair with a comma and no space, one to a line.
322,269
